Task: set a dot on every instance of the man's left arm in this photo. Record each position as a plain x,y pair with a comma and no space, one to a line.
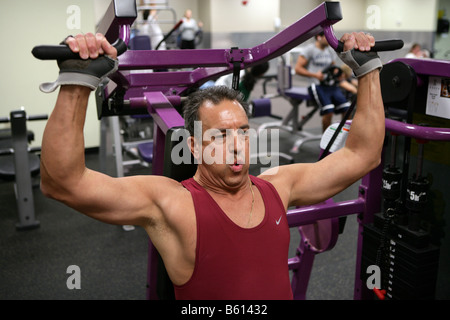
309,183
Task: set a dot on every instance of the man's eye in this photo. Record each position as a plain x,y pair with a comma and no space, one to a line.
218,137
243,133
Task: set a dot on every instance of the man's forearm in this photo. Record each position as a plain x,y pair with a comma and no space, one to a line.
302,71
368,126
62,158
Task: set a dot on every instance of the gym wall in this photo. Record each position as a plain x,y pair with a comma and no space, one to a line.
25,24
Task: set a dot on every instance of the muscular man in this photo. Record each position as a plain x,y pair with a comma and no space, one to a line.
222,234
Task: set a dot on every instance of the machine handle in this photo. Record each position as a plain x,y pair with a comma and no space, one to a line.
37,117
63,52
381,45
6,151
28,118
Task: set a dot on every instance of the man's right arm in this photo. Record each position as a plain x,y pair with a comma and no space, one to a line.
64,176
146,201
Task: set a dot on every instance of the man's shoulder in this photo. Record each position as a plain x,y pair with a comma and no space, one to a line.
307,49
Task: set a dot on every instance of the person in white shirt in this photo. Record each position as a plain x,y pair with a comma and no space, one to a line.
188,30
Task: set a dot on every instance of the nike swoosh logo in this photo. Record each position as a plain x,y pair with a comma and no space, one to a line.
278,221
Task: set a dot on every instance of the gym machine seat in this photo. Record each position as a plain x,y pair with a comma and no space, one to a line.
8,170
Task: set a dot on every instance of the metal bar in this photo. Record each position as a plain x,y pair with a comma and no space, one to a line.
117,141
326,14
162,111
158,59
309,214
212,63
131,162
23,186
302,266
165,117
125,33
171,84
302,30
135,143
428,67
159,138
119,13
152,272
418,132
369,191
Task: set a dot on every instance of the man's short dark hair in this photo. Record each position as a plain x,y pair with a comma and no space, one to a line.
215,95
322,34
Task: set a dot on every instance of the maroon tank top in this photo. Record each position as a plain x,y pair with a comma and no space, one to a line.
234,263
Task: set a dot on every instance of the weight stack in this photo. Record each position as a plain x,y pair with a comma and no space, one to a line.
408,263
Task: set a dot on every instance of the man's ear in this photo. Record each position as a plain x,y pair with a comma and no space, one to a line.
194,147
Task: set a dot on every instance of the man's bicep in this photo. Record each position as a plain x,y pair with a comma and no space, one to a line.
287,180
127,200
316,182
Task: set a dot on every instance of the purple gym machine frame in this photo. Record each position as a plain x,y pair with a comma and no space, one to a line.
160,92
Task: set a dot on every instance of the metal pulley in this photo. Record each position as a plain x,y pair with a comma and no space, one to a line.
397,80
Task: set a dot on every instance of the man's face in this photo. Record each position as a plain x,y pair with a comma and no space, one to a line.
322,40
225,142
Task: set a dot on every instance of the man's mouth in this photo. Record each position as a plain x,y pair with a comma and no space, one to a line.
236,166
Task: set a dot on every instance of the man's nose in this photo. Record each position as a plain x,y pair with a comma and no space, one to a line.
236,144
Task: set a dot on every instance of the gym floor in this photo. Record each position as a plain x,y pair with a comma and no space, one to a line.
113,262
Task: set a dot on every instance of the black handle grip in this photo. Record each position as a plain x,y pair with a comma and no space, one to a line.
63,52
6,151
388,45
29,118
383,45
37,117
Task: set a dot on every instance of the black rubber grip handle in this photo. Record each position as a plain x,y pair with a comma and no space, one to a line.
37,117
29,118
6,151
63,52
382,45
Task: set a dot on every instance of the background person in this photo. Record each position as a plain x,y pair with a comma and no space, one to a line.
189,30
312,62
417,52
